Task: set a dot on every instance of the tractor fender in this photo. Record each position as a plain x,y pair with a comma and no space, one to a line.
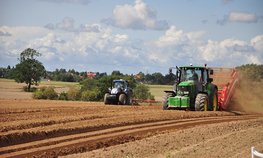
170,92
118,94
211,91
127,95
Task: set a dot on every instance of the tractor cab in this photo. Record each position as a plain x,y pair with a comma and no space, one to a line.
119,85
188,76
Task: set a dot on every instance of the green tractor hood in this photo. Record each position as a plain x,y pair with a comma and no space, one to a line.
186,83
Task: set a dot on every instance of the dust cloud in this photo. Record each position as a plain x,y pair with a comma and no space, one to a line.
248,97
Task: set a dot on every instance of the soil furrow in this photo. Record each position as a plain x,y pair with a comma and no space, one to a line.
103,138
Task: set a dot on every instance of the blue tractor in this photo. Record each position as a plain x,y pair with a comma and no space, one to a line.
120,93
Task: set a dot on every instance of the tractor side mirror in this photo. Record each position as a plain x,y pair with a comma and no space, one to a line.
211,72
210,80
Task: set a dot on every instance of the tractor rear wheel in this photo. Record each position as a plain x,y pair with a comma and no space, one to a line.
201,102
122,99
215,101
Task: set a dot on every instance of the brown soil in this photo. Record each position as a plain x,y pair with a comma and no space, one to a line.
53,128
228,139
44,128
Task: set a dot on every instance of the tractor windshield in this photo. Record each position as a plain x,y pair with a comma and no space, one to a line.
190,74
119,84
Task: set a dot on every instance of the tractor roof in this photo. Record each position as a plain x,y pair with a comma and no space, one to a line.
193,67
120,80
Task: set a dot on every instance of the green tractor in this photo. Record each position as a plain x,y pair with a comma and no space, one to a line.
193,90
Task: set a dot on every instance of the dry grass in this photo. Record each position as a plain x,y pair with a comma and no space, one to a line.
9,89
158,91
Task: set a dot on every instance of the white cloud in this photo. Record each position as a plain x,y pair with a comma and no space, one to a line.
98,48
23,32
227,51
237,16
137,16
90,28
67,24
120,38
257,42
242,17
4,33
177,46
176,37
12,46
172,37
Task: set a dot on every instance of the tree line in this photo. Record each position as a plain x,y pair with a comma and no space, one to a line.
251,72
72,75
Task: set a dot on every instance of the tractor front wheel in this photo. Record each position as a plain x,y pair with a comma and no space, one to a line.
106,98
165,101
201,102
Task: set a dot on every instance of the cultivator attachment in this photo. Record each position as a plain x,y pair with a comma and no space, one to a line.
226,79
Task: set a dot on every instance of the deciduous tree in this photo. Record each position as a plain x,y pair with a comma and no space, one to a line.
29,70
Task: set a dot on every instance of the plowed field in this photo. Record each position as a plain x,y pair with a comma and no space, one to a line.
44,128
54,128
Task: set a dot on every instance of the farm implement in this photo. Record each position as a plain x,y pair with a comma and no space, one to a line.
200,88
227,80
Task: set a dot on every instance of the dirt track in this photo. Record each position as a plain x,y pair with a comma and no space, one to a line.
53,128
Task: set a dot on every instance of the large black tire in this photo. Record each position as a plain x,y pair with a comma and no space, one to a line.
106,101
201,102
165,101
122,99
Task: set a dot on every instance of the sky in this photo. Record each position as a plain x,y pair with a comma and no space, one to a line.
132,35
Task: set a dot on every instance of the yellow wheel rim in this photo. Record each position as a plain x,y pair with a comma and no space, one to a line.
214,103
205,105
